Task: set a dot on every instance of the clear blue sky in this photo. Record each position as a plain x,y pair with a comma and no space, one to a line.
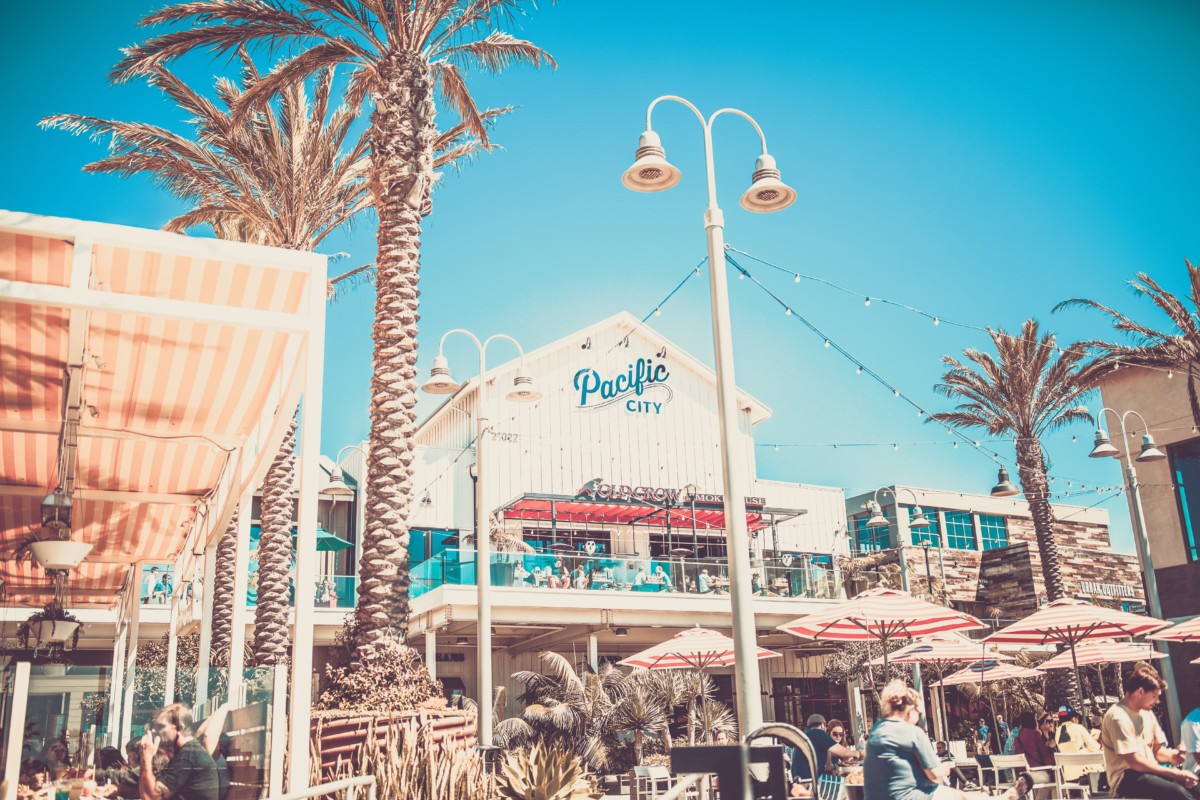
981,161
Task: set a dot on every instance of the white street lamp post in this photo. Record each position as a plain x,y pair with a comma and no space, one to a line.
651,172
523,391
1103,449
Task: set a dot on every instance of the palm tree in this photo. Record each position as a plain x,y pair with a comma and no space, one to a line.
403,56
1030,388
287,176
1178,349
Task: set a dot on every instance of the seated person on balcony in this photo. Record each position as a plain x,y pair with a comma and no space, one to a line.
520,574
641,577
565,578
552,578
755,583
704,582
660,577
823,745
901,763
1135,748
579,578
324,591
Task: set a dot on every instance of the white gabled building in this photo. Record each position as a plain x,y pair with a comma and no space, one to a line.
613,476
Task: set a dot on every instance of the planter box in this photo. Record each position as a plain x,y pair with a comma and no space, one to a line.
56,631
337,738
60,554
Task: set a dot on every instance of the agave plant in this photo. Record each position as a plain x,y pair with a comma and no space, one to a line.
545,773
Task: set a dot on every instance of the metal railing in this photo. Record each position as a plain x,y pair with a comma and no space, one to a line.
350,785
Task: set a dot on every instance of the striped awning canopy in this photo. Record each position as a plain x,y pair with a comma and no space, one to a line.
987,671
1183,632
1101,652
149,375
941,650
693,648
881,614
1069,621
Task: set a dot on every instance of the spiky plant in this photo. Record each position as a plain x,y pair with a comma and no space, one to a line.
640,713
545,773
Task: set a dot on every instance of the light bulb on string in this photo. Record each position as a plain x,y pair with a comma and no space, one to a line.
936,322
697,271
1170,374
658,312
895,392
827,343
741,276
776,448
867,302
895,447
858,371
956,445
788,311
920,413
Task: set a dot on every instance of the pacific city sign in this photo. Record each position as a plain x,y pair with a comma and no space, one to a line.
642,388
597,490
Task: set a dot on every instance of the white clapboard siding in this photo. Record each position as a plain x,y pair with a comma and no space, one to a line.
821,530
556,445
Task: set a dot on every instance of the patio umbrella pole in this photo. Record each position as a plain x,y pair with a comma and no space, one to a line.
1103,691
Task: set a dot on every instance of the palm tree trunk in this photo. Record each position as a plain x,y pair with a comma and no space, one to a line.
402,135
223,585
1031,467
275,556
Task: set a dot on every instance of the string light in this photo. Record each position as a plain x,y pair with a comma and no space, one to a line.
826,344
797,277
788,312
658,312
858,370
867,302
936,322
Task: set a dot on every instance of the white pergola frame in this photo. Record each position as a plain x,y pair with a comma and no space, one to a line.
301,369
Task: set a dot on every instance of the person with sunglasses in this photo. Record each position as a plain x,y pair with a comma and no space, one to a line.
837,731
823,745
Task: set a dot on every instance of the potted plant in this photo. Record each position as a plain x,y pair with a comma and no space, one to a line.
53,625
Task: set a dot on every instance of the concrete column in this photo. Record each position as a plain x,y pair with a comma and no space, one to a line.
116,684
311,479
593,653
134,613
172,648
204,662
431,653
241,614
16,728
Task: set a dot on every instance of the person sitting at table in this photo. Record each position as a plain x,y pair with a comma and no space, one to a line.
1035,743
579,578
520,575
704,582
901,764
641,577
552,578
565,578
1071,736
957,778
661,578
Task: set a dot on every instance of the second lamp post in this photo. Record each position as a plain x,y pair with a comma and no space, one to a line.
523,391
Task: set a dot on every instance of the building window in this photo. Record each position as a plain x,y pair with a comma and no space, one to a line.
868,539
541,539
797,698
960,532
993,531
932,535
425,543
1185,466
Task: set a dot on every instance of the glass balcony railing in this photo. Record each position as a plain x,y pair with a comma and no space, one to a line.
620,573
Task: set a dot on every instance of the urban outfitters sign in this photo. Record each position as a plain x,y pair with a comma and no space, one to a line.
641,389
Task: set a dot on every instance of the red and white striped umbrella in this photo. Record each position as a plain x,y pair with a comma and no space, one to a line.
987,671
1102,652
941,650
1069,622
1183,632
881,615
693,648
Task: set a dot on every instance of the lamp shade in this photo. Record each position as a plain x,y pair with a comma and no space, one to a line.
1004,487
918,519
651,172
60,553
337,485
524,390
767,192
1103,447
440,381
1150,451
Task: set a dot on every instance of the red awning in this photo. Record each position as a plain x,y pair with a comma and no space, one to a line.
570,510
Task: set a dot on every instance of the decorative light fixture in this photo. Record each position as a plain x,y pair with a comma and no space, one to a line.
1004,487
337,485
877,520
59,554
440,381
621,632
767,192
651,172
56,510
461,640
1150,451
1103,447
523,390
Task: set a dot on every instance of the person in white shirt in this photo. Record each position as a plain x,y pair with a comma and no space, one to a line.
1189,741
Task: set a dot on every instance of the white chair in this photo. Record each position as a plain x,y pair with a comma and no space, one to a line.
830,787
958,749
1072,766
999,764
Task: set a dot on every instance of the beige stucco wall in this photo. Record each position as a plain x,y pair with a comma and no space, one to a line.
1164,404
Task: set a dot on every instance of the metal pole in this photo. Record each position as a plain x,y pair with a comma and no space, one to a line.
483,574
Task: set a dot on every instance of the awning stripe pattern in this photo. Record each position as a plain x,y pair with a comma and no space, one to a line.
170,394
880,614
986,671
693,648
943,650
1183,632
1069,621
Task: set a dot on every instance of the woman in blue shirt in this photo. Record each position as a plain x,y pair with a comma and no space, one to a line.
901,763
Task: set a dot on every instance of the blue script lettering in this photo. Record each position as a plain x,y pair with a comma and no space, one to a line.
637,377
